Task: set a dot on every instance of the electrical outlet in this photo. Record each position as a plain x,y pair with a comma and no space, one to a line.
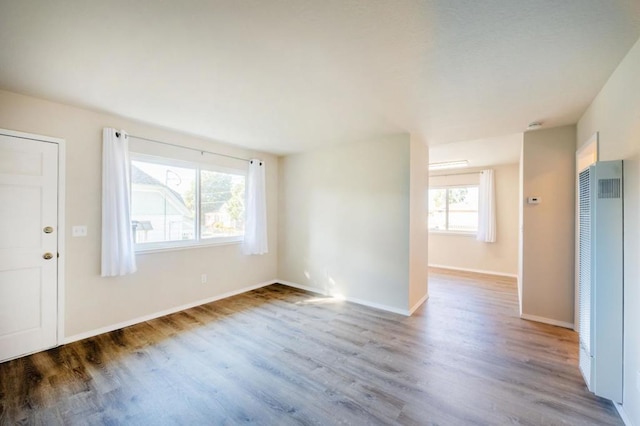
79,231
203,278
534,200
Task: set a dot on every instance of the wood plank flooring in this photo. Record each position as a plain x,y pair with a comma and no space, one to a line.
279,356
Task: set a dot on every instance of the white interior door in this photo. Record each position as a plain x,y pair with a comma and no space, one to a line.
28,245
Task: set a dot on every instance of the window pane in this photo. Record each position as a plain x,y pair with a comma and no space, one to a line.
463,209
162,202
222,204
437,209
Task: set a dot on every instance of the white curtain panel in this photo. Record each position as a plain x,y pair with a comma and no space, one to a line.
118,255
255,233
487,207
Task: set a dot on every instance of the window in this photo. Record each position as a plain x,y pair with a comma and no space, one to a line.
221,204
176,203
453,209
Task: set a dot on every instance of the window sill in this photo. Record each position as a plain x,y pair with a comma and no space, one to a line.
454,233
159,247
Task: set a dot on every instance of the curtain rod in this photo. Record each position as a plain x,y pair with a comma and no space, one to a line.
201,151
458,174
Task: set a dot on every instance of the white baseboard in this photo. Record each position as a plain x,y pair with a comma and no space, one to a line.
159,314
380,306
477,271
544,320
417,305
623,414
303,287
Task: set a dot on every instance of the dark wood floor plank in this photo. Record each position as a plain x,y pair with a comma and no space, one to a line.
280,356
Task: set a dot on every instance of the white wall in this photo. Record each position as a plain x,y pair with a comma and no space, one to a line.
464,252
548,167
344,221
418,222
520,226
164,280
615,114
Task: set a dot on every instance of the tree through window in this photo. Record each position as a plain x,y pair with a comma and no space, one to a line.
453,208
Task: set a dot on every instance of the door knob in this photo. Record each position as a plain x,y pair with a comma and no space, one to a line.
47,256
47,229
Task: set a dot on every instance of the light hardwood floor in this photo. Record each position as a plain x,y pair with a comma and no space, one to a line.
282,356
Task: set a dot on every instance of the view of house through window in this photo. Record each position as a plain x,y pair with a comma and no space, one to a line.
453,209
185,204
159,211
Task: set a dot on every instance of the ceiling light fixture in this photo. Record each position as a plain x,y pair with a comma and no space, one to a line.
534,125
448,165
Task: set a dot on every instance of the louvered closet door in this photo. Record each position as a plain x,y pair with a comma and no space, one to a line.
584,283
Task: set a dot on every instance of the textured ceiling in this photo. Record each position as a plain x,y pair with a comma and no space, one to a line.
291,75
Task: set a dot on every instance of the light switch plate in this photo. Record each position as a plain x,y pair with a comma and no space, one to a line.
79,231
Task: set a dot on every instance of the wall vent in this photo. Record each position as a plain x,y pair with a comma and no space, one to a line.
600,278
609,188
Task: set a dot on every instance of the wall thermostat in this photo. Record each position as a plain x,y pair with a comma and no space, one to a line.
534,200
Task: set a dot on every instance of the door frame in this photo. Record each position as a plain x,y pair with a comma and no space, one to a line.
61,220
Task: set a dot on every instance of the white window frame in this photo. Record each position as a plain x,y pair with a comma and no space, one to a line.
197,241
447,230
